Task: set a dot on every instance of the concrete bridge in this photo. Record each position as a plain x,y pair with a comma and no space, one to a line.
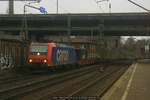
89,24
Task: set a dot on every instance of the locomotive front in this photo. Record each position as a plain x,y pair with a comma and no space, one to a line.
38,54
50,55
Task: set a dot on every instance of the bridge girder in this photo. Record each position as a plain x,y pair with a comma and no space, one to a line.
120,24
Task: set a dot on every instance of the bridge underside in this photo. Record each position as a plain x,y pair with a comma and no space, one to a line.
117,24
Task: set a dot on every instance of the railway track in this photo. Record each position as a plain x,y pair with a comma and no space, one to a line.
11,92
54,90
93,86
70,84
12,79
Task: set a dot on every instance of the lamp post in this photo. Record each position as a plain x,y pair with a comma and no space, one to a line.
11,7
69,27
25,28
57,6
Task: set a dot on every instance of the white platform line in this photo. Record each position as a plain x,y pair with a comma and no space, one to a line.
129,84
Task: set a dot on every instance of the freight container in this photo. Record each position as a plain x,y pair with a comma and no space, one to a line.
12,53
63,55
86,51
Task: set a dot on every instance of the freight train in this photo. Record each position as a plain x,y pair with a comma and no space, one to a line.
51,55
19,54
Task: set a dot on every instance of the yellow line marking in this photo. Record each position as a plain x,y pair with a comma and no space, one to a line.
129,84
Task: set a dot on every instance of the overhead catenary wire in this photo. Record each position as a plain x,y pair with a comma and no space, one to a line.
100,1
56,2
139,6
59,6
99,6
110,6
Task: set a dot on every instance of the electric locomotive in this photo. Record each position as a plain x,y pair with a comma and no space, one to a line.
50,55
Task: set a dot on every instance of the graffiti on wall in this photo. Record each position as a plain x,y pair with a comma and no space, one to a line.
6,62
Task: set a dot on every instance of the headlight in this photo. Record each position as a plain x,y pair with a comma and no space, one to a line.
38,53
30,60
45,61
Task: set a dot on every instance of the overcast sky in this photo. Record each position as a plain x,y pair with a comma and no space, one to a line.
80,6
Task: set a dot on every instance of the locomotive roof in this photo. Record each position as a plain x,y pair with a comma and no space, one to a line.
57,44
63,45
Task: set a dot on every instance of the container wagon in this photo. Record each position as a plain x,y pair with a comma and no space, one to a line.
12,53
86,52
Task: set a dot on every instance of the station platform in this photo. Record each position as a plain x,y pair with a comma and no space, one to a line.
134,84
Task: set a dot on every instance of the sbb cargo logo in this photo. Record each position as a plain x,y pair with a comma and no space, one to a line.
62,56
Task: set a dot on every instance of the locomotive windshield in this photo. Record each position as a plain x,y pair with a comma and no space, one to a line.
39,48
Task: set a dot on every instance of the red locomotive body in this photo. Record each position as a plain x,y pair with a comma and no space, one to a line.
50,55
40,53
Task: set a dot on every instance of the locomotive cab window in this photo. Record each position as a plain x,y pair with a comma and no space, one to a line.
39,48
